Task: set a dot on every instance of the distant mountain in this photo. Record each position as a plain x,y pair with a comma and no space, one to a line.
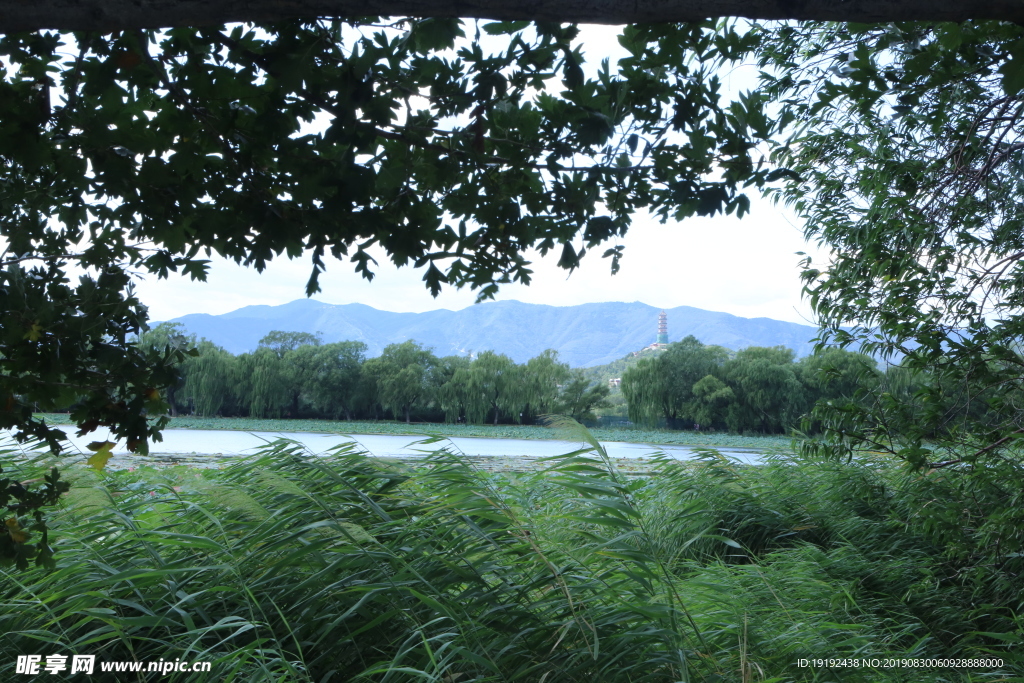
584,335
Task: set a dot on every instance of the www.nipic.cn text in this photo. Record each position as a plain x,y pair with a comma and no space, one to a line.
87,664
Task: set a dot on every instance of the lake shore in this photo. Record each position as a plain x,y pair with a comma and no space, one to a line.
213,448
500,464
533,432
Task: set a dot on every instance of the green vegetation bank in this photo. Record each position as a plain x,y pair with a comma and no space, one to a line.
289,567
688,385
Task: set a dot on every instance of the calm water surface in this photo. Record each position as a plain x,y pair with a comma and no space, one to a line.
197,445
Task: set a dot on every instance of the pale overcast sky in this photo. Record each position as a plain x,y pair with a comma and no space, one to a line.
747,267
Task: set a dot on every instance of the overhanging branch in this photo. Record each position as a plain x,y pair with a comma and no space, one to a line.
117,15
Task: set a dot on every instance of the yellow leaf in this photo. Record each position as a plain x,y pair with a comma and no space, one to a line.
99,459
15,531
33,332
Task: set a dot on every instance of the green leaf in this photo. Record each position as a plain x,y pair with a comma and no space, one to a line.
504,27
1013,69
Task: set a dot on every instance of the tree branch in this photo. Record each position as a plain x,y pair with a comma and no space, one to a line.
117,15
998,443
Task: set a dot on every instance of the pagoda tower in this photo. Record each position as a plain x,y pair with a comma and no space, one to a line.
662,328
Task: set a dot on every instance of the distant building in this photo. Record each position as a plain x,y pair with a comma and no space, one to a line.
662,335
615,382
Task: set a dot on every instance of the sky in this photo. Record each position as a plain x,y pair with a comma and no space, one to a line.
748,267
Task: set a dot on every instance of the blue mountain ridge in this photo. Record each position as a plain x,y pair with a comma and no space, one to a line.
584,335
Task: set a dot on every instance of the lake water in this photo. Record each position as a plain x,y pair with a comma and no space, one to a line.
198,447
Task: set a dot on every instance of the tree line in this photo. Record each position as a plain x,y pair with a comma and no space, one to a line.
757,389
295,374
690,384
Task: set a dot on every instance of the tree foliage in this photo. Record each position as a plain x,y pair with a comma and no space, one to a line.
314,380
146,150
267,386
909,170
211,379
170,340
768,396
580,397
335,382
662,387
711,400
401,373
909,167
542,380
283,342
492,386
757,389
643,388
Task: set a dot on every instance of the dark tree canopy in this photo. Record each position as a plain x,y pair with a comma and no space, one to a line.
148,150
282,342
113,15
910,168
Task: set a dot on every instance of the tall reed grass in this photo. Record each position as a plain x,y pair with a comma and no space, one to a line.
294,567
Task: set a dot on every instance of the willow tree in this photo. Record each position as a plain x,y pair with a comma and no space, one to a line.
265,386
835,373
684,364
643,387
769,397
300,365
333,384
540,386
490,386
400,374
711,401
447,378
210,379
282,342
663,386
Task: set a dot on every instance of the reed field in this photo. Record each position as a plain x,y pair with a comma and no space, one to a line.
295,567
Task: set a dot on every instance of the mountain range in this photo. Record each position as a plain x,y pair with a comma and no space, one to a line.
584,335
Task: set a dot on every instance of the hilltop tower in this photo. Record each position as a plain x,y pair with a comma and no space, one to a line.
662,328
